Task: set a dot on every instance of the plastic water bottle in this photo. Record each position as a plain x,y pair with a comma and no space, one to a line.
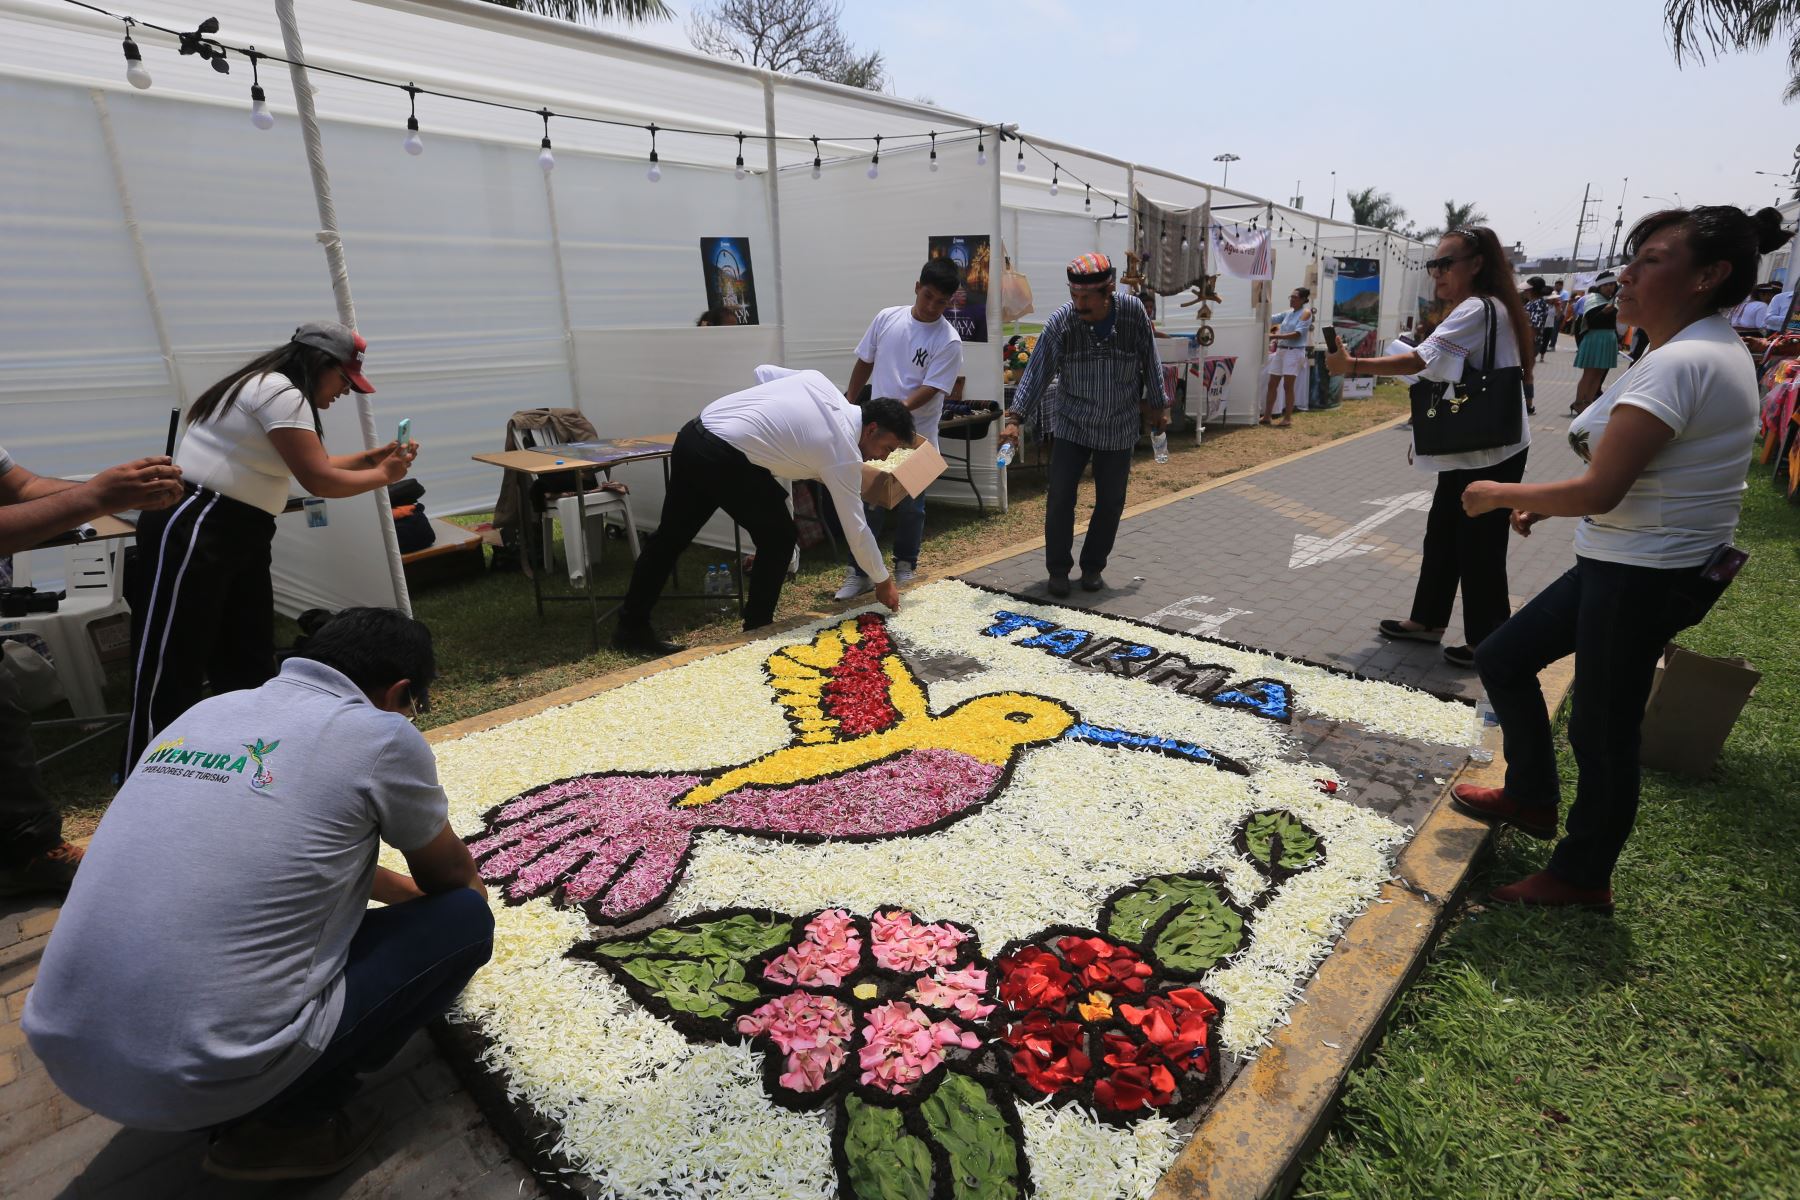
712,580
1004,458
1486,721
1159,445
727,587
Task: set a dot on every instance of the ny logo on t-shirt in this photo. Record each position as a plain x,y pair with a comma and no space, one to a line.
921,356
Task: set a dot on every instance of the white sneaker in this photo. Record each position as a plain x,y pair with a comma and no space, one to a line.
855,584
904,572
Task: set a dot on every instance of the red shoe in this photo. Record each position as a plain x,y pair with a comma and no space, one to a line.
1491,804
1547,891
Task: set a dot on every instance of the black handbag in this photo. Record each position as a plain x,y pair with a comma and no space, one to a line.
1484,411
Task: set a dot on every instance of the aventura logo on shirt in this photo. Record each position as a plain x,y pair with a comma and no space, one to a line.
174,758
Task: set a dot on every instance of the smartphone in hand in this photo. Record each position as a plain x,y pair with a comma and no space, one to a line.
1330,334
405,434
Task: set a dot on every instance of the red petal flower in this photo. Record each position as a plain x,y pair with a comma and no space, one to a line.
1048,1053
1032,978
1105,965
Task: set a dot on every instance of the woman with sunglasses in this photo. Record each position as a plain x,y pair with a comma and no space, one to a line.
202,601
1462,552
1667,447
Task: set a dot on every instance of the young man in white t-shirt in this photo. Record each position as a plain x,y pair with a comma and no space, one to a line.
913,355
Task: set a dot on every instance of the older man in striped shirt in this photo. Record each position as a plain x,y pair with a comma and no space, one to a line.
1102,345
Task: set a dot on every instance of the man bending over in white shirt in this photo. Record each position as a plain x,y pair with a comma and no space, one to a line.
791,425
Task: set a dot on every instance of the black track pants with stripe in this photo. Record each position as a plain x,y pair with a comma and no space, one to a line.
202,609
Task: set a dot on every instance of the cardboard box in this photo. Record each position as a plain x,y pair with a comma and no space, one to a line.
1693,705
888,488
112,638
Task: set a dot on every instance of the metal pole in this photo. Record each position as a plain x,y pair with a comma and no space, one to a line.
1618,222
1333,212
562,301
1580,224
774,194
329,237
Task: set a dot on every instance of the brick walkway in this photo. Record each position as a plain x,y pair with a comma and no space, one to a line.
1303,558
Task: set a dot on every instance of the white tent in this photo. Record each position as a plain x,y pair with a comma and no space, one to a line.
155,239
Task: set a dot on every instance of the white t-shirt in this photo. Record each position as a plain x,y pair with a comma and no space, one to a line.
230,452
1463,338
908,354
1702,384
797,425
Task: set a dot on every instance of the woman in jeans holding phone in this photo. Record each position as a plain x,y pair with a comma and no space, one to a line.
1667,447
1461,551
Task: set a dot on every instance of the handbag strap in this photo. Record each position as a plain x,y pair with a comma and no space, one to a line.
1492,328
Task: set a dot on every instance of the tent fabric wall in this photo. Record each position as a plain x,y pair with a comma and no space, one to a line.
475,302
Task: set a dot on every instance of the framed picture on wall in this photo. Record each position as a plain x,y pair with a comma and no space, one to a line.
967,313
730,282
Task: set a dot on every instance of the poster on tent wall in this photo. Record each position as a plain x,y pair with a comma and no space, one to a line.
1243,253
730,283
1215,381
967,313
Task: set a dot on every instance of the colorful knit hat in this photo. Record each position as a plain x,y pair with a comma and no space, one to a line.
1090,270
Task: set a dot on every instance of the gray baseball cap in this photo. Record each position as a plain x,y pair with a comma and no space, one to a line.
342,343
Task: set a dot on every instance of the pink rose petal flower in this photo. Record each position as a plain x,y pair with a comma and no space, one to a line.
901,942
901,1045
829,954
959,992
812,1031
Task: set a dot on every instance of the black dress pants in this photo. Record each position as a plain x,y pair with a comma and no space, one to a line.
1112,470
706,474
1466,552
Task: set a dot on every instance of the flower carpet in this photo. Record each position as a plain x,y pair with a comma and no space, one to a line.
980,899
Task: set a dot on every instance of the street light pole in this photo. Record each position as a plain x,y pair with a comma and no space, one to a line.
1333,211
1227,159
1618,222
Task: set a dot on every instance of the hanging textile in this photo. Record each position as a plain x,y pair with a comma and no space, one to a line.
1243,253
1172,244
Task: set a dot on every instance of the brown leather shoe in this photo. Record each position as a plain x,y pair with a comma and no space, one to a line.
1547,891
51,871
1492,804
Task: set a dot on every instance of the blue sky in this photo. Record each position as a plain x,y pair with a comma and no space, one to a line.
1515,106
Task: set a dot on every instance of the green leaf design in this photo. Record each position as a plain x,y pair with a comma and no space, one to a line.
698,968
982,1144
1199,936
1298,847
886,1162
1134,912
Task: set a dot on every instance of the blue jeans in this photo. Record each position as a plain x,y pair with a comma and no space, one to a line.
1615,619
407,963
909,531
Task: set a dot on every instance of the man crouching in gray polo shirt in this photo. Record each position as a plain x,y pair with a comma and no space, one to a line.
217,964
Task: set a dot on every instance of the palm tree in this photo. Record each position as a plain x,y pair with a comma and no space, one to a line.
1699,26
631,11
1456,216
1376,210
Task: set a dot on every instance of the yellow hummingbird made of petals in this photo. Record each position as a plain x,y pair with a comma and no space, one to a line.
858,654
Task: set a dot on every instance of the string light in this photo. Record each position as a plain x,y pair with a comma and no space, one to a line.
1020,168
740,172
414,144
875,163
981,147
815,170
1087,197
934,162
135,71
655,172
1055,174
546,160
260,116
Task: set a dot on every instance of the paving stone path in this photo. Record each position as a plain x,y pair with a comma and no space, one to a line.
1303,558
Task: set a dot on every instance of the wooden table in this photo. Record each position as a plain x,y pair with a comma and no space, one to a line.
603,455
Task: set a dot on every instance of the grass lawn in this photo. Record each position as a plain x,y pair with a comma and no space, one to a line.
493,650
1652,1054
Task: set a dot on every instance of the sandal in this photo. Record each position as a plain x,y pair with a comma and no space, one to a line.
1284,425
1460,656
1391,628
1262,420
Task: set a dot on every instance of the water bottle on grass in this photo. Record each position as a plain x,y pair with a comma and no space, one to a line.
1486,724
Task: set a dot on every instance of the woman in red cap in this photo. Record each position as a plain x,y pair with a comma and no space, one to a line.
202,603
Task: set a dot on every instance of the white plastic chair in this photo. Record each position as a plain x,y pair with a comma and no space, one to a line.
600,506
94,589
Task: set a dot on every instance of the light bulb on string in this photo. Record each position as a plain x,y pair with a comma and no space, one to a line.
414,145
1020,165
981,147
655,172
875,162
1087,197
815,171
740,172
1055,172
260,116
934,162
546,160
135,71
